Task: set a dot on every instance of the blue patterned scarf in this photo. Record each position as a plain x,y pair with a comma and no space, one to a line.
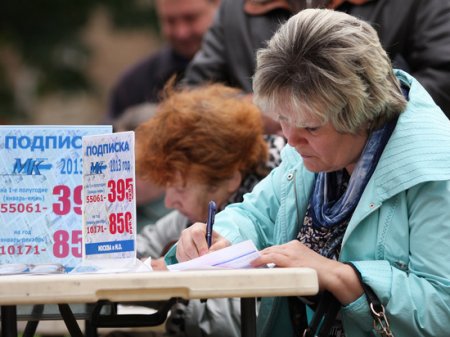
327,207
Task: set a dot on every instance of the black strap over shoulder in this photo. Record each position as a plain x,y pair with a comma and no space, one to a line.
372,298
380,321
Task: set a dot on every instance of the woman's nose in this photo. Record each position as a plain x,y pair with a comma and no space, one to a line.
170,198
293,135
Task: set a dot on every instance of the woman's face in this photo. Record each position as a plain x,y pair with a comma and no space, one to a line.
322,148
192,198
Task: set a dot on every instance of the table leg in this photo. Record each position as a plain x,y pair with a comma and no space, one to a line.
248,317
30,329
9,321
70,320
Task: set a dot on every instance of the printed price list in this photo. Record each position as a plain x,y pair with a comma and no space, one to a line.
109,195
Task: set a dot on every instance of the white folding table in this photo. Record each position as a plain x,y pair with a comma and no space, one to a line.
65,289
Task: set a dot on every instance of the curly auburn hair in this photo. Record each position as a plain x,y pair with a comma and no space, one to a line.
204,133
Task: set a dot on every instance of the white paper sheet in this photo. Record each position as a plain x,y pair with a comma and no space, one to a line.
236,256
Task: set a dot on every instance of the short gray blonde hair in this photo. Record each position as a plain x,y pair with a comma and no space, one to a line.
333,64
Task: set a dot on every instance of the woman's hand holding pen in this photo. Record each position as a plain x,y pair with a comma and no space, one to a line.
192,242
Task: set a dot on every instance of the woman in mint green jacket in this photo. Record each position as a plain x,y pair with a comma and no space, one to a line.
365,179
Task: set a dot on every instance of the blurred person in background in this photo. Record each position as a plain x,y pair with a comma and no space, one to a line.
415,34
183,23
204,143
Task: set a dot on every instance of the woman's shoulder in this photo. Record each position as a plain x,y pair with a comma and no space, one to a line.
417,151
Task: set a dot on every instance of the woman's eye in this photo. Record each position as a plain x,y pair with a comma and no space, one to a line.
281,118
312,129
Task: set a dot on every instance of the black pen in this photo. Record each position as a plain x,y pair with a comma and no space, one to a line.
210,222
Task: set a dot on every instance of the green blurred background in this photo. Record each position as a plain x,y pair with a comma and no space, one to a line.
60,58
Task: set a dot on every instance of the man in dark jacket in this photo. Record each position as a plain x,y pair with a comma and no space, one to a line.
415,33
183,23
